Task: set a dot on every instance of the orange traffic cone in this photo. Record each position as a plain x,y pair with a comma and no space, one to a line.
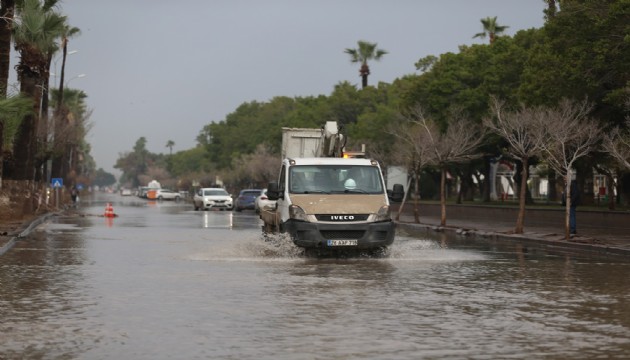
109,211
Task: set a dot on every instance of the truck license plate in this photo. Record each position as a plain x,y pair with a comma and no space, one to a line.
342,242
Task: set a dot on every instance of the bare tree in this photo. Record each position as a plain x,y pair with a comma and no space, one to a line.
459,143
413,149
617,144
569,136
258,167
522,130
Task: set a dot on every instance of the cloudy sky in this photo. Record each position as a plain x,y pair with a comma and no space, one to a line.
164,69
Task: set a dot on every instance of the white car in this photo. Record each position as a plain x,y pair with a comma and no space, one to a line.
212,198
165,194
262,201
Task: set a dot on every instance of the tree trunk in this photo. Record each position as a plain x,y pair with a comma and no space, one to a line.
60,118
26,141
6,16
416,202
610,189
364,71
522,198
6,20
567,209
443,196
487,181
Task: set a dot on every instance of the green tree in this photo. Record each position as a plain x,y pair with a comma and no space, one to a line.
584,52
491,29
139,163
103,178
365,52
34,36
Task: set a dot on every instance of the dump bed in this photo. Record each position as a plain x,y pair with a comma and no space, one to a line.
299,142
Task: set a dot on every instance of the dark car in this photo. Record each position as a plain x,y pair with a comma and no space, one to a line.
247,199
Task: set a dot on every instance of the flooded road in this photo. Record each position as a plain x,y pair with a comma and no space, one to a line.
162,281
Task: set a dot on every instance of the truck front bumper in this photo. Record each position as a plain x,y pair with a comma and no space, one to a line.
316,235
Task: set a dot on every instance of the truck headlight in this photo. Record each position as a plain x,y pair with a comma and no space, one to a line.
383,214
297,213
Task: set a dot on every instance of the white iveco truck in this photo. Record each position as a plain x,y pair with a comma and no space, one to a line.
328,200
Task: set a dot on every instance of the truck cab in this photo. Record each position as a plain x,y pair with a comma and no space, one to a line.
331,204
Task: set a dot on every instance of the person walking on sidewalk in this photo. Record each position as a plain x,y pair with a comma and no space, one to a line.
74,194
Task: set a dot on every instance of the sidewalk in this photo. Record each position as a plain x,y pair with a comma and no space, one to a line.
591,237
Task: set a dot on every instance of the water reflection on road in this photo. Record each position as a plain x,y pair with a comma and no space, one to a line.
163,281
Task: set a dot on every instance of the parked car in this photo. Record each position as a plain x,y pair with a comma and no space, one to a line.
125,192
212,198
246,199
165,194
263,201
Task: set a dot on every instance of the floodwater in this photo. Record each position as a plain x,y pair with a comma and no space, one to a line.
162,281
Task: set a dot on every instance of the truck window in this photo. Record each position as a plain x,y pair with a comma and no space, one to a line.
335,179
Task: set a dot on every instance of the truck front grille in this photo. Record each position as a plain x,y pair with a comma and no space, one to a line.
342,234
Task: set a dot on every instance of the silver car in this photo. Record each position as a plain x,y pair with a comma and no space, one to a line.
165,194
212,198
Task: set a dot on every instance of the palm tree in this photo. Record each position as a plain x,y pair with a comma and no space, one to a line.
34,36
60,115
70,134
366,51
490,29
170,144
7,8
13,110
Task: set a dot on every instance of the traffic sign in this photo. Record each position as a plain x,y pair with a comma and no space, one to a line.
57,182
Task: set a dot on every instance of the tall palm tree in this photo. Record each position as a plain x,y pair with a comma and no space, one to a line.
6,13
490,29
12,109
34,35
7,8
70,134
366,51
170,144
60,115
551,10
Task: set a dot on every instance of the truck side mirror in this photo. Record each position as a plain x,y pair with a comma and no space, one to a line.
398,193
273,193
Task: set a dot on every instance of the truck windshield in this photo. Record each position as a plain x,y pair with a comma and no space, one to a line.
334,179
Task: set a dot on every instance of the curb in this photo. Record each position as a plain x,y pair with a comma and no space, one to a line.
601,249
25,231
